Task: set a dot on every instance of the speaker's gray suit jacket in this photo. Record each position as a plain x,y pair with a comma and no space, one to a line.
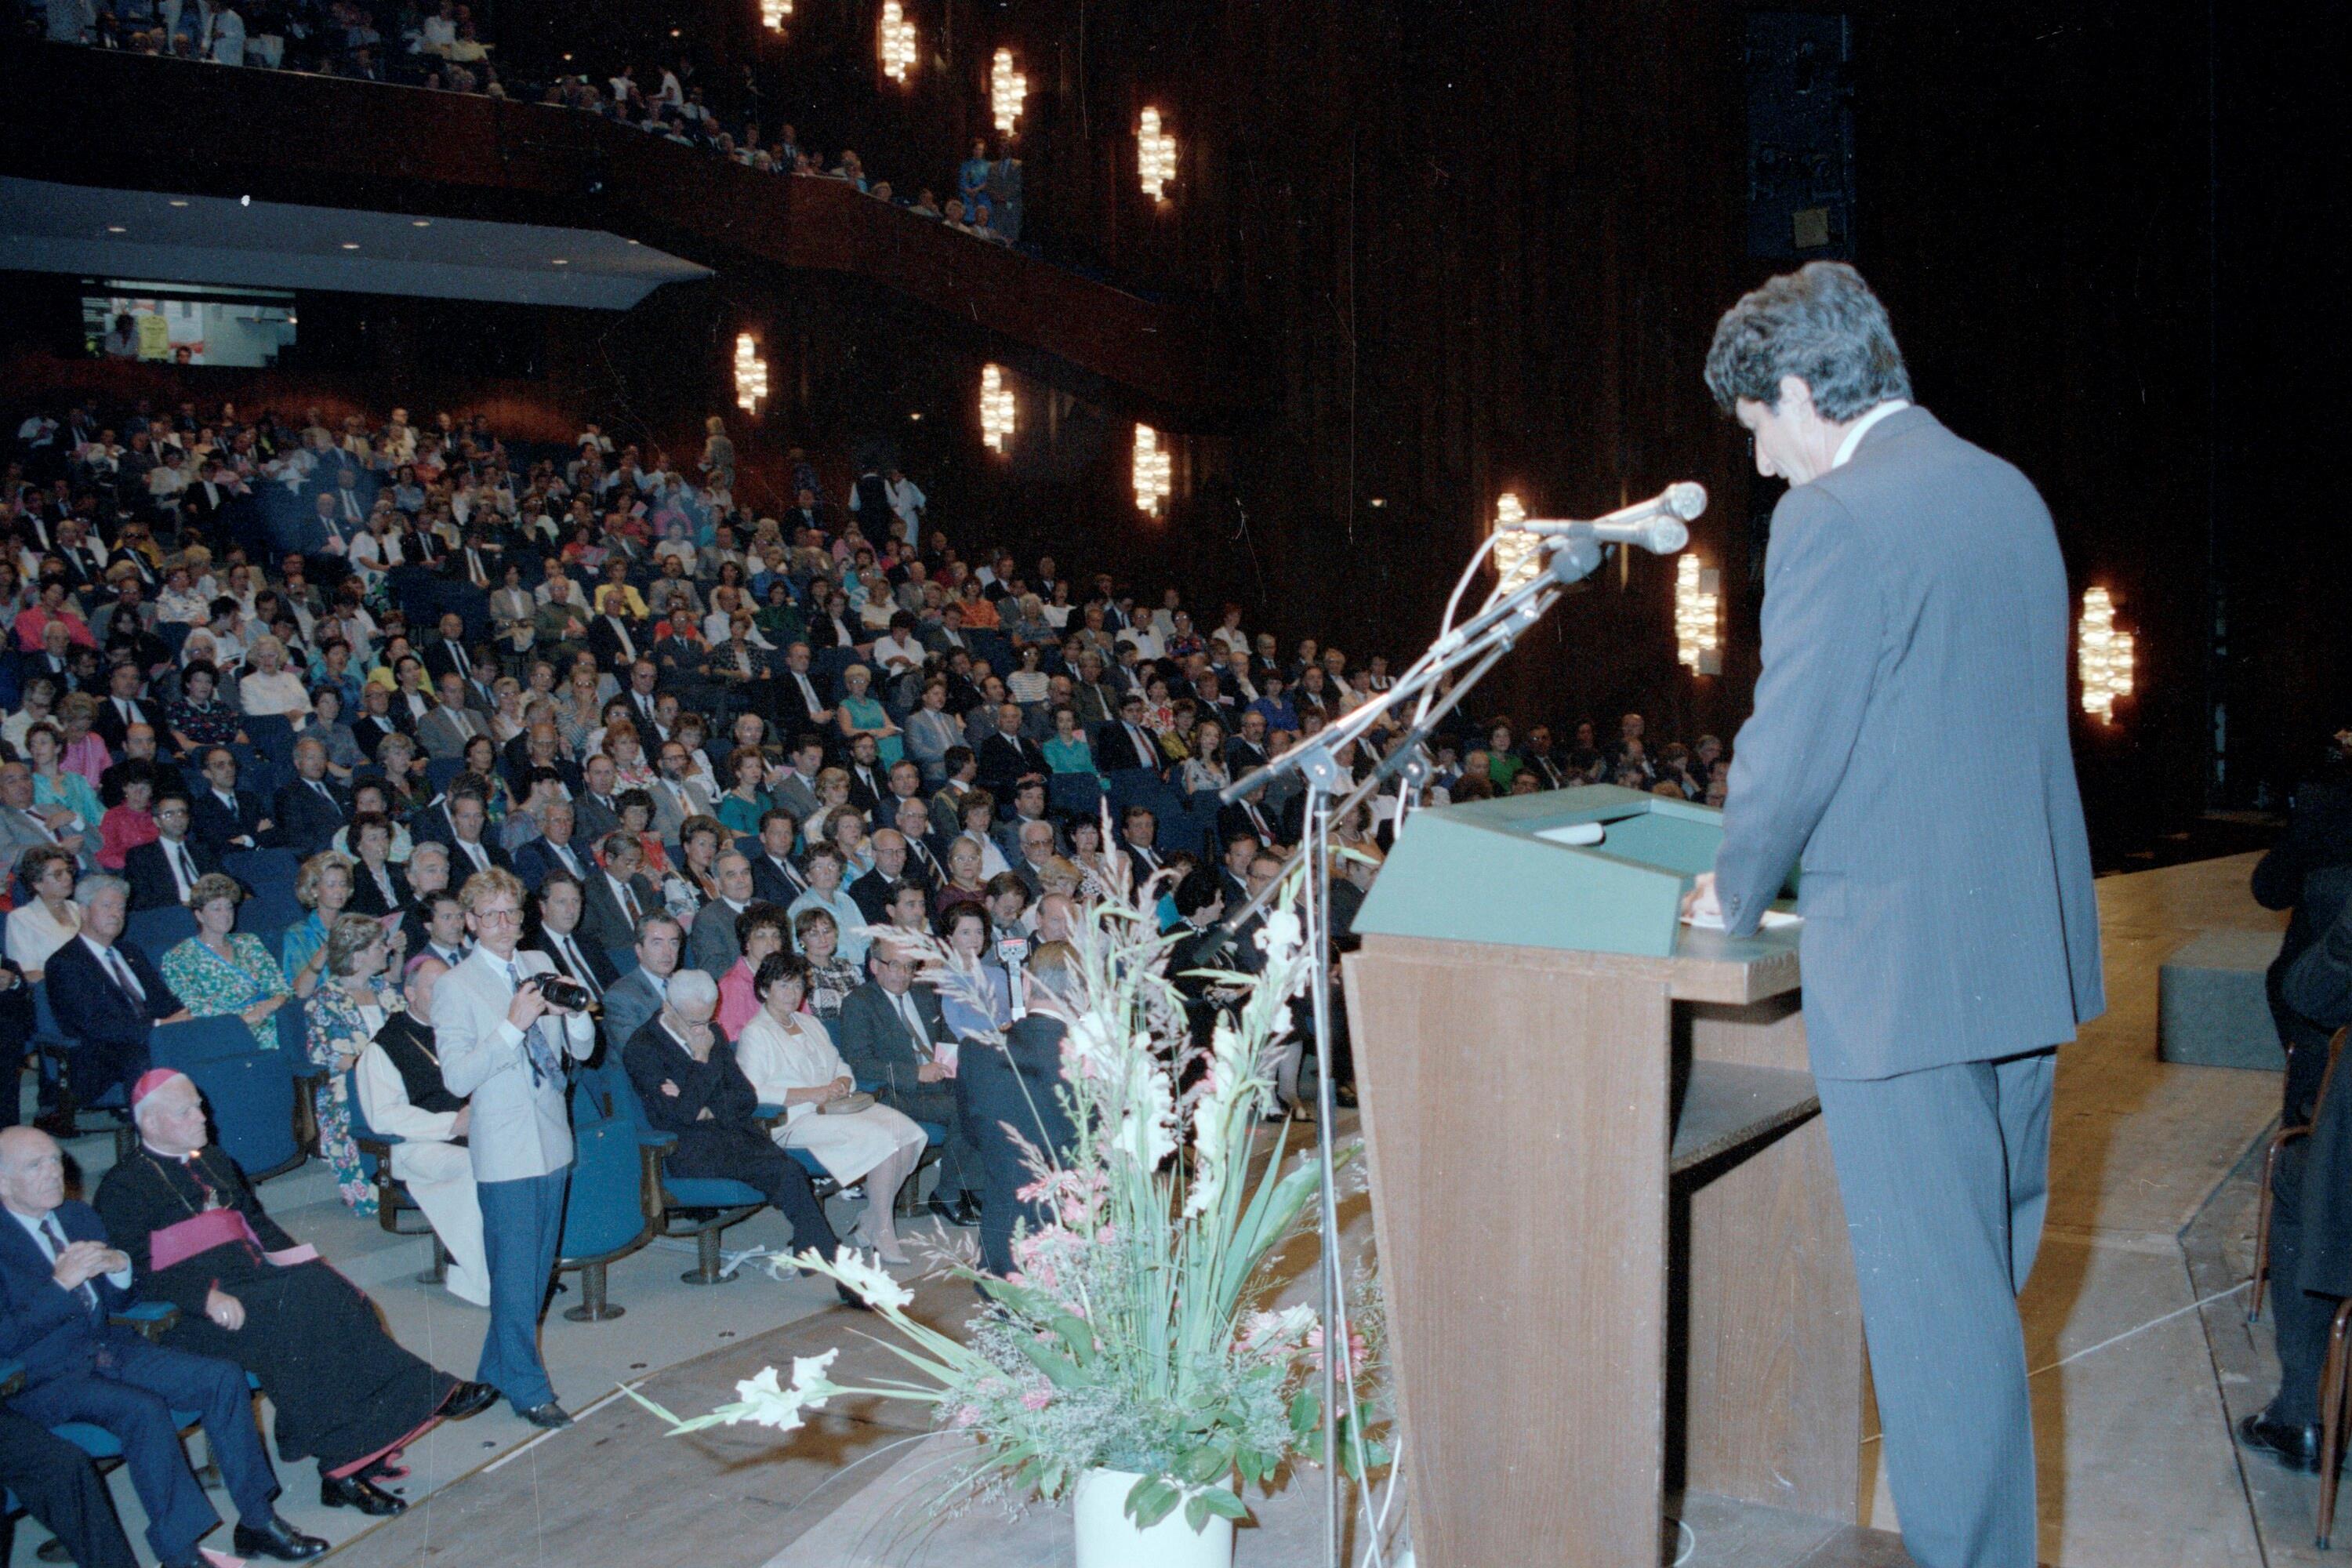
1909,744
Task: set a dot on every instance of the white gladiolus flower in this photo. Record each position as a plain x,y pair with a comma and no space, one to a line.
762,1401
1146,1131
871,1283
1281,937
1228,1079
808,1378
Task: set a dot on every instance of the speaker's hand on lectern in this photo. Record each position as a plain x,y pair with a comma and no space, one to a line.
1700,900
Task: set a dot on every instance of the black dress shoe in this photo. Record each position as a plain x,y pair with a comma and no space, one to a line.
1344,1096
850,1297
351,1491
967,1209
468,1399
944,1208
276,1539
551,1416
2296,1448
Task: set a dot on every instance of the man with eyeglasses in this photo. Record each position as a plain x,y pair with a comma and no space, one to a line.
163,873
504,1048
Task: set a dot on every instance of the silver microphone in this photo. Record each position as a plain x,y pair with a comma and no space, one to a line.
1655,525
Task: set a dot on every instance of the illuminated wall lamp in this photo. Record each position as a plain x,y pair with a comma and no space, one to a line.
773,14
1517,556
2103,656
1698,601
997,416
750,374
1154,473
897,41
1006,88
1155,157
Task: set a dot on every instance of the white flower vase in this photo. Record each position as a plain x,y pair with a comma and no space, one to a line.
1107,1538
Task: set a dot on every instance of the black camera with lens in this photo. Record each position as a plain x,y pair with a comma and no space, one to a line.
563,992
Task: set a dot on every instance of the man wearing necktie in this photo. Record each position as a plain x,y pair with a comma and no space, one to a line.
163,873
448,728
1126,744
893,1034
1247,815
561,902
814,714
552,850
309,808
108,998
503,1047
446,655
644,677
59,1278
348,507
773,876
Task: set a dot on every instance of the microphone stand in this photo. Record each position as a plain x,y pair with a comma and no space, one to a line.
1475,646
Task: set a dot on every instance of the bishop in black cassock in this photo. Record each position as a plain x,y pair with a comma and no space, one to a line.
344,1390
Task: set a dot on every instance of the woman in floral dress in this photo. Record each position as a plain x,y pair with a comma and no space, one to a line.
344,1015
221,969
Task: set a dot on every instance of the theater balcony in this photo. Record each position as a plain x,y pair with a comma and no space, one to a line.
298,141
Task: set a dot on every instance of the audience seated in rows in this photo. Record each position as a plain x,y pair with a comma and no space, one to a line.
334,686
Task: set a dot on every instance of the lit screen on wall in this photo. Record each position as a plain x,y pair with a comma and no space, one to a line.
185,323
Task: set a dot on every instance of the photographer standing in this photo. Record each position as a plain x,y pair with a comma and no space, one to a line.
503,1047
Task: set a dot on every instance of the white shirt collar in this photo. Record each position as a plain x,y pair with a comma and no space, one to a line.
1861,428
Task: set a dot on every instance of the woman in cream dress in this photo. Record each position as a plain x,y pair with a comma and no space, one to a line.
791,1061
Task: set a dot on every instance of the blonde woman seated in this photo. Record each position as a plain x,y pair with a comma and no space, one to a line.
324,886
791,1060
221,969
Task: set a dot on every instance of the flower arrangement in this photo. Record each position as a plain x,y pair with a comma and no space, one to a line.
1133,1335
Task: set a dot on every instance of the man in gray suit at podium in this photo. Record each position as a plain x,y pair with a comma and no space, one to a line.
1909,746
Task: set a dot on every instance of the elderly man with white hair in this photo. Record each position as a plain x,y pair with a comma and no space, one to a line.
401,1093
58,1279
684,1072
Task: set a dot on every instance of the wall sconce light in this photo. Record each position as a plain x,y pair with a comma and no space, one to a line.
898,42
773,14
1517,556
750,374
2103,656
1155,157
995,408
1006,88
1153,471
1698,598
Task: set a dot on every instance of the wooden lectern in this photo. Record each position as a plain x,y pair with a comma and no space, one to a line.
1610,1237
